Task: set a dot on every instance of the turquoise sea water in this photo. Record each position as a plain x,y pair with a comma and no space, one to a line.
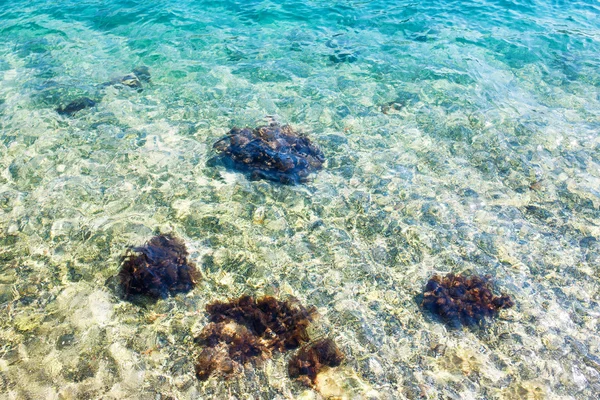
460,136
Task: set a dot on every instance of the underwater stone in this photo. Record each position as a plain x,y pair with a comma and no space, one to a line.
129,80
467,300
402,100
538,212
76,105
246,330
65,340
157,269
391,106
83,370
271,152
342,111
343,56
134,80
343,51
311,359
468,192
587,242
142,73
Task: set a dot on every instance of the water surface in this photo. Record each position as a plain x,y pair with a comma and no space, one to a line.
488,162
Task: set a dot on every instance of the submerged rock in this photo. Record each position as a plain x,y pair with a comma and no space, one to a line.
467,300
157,269
142,73
343,51
311,359
75,106
248,330
134,80
228,346
129,80
402,100
343,57
271,152
391,106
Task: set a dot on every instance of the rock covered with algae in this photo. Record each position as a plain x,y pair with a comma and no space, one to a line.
228,346
157,269
249,330
463,300
311,359
272,152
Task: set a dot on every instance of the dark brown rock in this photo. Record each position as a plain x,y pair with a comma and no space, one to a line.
463,300
75,106
271,152
158,268
311,359
248,330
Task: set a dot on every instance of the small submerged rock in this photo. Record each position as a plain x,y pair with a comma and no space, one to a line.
403,99
75,106
343,51
157,269
343,57
249,330
129,80
467,300
311,359
142,73
391,106
273,152
65,341
134,80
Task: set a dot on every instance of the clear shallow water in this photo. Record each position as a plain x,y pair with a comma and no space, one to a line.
490,166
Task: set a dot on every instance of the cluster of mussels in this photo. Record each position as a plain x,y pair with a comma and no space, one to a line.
467,300
240,331
273,152
249,330
134,80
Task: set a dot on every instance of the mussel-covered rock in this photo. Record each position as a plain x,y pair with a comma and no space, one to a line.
311,359
467,300
271,152
157,269
249,329
76,105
